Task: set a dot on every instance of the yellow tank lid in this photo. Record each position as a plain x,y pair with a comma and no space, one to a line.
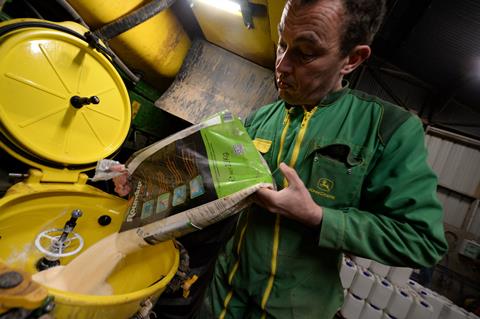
47,79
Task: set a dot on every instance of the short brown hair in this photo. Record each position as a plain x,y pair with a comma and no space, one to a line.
363,20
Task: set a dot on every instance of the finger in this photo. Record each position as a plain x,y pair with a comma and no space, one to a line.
258,200
119,190
265,193
118,168
122,186
122,193
121,180
291,175
127,189
266,198
122,190
270,187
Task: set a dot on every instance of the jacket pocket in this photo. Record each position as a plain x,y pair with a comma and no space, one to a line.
337,174
264,142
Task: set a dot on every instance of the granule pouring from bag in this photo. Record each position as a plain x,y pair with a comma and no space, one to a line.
185,182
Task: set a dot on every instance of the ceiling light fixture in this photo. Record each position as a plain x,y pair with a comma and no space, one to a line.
224,5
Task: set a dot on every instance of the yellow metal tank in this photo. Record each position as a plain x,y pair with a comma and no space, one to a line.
156,46
42,67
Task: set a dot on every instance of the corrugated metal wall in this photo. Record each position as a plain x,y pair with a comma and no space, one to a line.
473,224
455,207
456,161
457,165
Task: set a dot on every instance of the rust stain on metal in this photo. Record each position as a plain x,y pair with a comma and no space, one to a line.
212,79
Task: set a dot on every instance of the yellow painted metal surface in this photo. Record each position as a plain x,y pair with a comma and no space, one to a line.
275,9
41,70
32,207
213,79
26,294
227,30
158,45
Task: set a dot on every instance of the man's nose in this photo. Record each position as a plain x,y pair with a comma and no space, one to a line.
283,64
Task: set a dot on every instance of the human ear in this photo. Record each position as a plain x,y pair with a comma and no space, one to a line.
358,54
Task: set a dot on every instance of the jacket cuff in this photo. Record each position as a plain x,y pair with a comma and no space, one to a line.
332,229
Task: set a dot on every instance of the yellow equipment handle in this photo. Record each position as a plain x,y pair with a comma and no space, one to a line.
17,290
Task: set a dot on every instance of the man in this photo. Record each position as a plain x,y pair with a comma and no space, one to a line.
355,177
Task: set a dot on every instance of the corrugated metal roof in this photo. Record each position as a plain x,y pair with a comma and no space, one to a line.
441,47
438,41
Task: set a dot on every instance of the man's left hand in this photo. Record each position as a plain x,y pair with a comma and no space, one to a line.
294,202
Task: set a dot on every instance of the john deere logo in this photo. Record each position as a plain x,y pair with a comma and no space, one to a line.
325,184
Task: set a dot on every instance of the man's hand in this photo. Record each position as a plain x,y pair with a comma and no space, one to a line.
293,202
122,187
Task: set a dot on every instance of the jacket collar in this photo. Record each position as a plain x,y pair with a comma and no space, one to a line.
330,98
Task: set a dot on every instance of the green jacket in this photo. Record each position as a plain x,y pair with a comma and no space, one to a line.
364,161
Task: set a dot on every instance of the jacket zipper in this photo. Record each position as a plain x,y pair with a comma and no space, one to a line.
228,297
276,235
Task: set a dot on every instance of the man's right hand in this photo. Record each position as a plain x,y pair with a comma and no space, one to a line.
294,201
122,186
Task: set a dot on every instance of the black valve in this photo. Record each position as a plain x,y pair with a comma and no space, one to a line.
78,102
70,224
43,263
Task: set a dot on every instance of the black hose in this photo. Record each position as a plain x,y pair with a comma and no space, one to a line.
33,9
133,19
76,17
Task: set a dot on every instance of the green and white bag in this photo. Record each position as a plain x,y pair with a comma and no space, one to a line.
193,178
